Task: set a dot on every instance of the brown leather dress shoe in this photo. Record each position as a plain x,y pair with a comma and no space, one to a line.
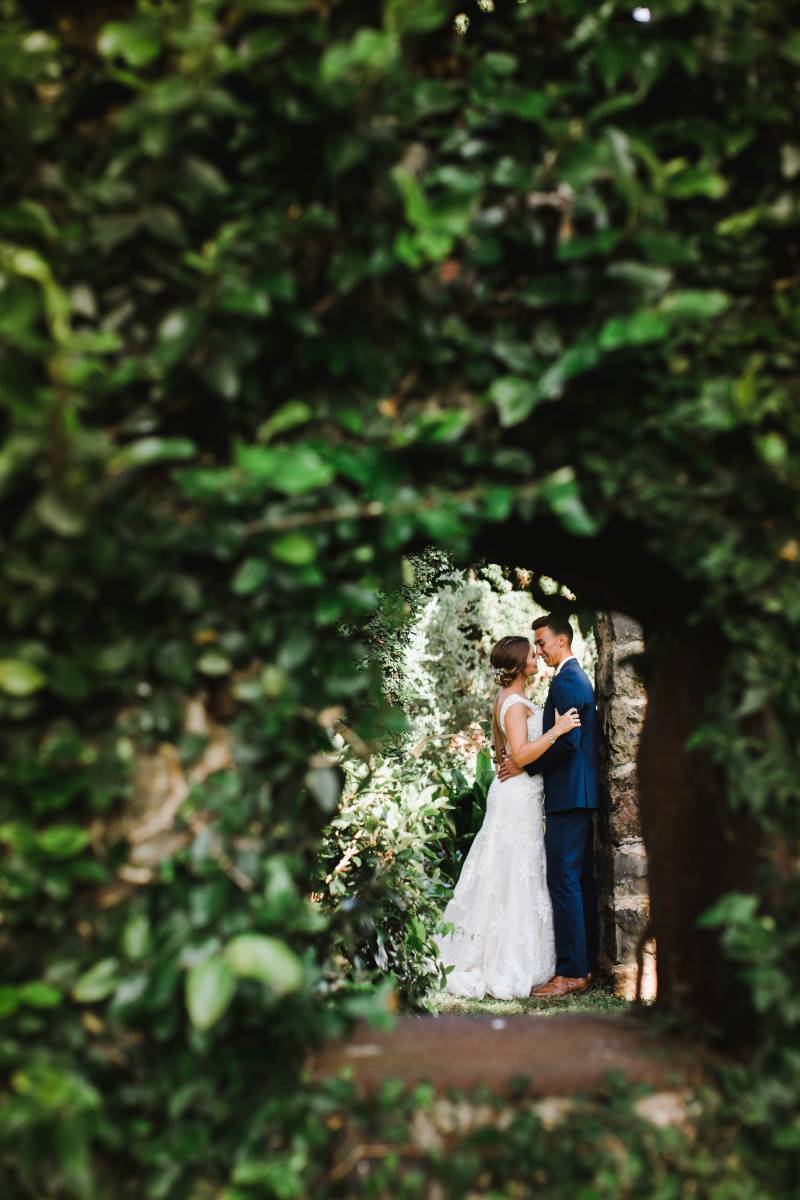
559,987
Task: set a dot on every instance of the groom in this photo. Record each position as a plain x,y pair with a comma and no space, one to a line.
569,768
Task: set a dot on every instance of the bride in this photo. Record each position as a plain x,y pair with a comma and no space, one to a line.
502,944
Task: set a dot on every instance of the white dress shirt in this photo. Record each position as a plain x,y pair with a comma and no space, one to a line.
558,668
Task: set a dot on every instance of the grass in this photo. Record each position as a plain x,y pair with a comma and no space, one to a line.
596,1000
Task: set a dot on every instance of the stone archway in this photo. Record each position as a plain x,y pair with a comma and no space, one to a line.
698,848
626,952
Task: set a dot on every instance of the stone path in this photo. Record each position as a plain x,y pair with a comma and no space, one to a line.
560,1054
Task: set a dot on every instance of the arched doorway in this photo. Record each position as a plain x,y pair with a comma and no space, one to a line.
697,849
432,641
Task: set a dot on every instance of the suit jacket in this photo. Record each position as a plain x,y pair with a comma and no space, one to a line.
570,768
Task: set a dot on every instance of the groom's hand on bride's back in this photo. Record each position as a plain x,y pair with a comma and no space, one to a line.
506,769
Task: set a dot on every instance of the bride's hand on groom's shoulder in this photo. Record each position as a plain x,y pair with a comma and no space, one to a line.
569,721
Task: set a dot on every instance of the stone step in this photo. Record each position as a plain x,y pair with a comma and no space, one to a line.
560,1054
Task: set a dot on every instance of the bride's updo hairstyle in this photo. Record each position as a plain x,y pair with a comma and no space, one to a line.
508,658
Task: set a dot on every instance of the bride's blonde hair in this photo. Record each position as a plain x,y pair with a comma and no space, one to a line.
508,658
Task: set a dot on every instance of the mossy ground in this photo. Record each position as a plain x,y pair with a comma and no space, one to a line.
596,1000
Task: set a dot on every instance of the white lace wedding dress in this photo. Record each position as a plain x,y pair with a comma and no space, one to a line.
503,943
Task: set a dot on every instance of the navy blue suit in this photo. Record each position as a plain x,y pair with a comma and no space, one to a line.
570,772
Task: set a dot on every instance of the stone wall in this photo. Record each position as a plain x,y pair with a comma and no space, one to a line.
621,859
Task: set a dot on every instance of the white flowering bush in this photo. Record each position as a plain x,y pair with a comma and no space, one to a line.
447,686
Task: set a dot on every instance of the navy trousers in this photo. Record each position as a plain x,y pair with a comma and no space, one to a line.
570,879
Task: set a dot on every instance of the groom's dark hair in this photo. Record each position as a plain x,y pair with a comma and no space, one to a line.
556,623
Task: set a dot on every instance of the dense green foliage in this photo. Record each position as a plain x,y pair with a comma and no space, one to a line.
421,1145
384,878
290,288
465,816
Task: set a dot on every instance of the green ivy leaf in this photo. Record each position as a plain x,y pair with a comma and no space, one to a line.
561,492
60,514
222,374
272,681
790,161
735,908
588,246
288,416
443,425
63,841
696,305
19,835
514,397
40,995
296,649
646,276
375,1006
277,8
296,549
697,181
772,448
790,47
250,576
738,224
210,988
213,663
176,335
18,678
9,1000
370,49
530,104
150,450
636,330
243,297
415,16
498,503
98,982
270,961
205,176
262,43
292,470
136,936
138,41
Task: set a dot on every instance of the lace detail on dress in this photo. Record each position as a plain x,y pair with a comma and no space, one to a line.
503,942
